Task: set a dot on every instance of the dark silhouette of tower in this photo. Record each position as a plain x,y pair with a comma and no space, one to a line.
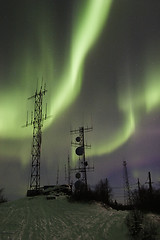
68,172
80,151
127,192
37,121
150,183
139,186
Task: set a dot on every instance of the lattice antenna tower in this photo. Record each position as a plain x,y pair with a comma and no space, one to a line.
127,192
149,182
68,171
37,119
80,151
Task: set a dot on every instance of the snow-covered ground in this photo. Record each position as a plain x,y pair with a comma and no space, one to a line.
38,218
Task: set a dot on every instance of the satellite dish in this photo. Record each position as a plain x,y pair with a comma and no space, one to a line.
80,151
78,184
86,163
78,175
78,139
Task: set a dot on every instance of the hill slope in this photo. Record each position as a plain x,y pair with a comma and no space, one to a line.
58,219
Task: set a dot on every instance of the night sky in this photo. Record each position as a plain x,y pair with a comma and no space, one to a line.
100,62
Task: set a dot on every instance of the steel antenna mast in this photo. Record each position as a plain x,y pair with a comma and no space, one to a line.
80,151
69,171
37,121
127,198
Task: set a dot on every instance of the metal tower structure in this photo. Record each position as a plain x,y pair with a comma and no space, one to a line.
68,172
149,182
139,186
80,151
37,121
127,192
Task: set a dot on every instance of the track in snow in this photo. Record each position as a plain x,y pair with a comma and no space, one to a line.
41,219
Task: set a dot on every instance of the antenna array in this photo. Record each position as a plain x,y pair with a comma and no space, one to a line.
80,151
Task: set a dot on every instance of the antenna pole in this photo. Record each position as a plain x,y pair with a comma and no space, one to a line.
150,182
84,163
65,172
69,171
127,199
80,151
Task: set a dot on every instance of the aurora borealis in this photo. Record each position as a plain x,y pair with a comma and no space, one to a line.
98,58
40,63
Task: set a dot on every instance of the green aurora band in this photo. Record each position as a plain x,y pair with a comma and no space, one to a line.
29,66
84,36
134,105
